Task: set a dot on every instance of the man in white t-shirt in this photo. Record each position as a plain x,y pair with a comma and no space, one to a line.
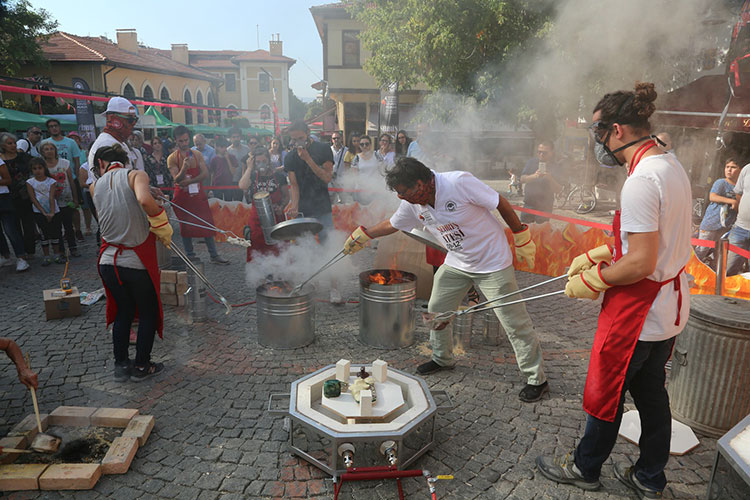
121,116
740,233
457,209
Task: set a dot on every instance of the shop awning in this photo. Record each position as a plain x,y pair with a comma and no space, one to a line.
12,120
700,104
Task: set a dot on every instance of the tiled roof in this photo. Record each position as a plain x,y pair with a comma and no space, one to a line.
262,55
66,47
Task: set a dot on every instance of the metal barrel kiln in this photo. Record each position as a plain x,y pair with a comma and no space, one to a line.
386,308
284,322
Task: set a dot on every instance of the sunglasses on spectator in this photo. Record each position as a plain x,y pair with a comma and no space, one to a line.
364,143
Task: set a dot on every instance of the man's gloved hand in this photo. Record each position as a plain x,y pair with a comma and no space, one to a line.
160,227
525,248
589,259
356,241
588,284
247,233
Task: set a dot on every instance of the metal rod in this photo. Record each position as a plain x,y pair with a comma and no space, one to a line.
201,276
721,252
334,260
481,305
527,299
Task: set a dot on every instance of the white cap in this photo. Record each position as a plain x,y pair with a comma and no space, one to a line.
121,105
23,145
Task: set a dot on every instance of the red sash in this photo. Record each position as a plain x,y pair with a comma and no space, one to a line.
624,311
146,251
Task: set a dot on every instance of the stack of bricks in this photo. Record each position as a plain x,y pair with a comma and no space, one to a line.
173,287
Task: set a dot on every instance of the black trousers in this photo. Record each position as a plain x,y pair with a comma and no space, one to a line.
134,291
28,227
644,379
67,222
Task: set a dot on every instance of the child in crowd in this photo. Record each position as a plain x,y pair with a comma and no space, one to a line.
515,183
722,211
42,190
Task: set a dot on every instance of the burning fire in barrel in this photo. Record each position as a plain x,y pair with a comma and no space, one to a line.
386,308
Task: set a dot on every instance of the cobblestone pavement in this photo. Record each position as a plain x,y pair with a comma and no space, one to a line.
214,439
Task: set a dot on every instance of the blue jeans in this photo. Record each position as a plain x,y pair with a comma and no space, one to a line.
210,244
10,226
327,221
645,380
741,238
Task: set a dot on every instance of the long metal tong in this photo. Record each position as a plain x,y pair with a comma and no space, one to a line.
334,260
482,306
201,276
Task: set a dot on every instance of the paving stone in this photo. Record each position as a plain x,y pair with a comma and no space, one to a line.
120,454
70,477
113,417
17,477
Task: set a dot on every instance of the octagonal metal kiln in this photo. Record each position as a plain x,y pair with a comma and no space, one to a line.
334,437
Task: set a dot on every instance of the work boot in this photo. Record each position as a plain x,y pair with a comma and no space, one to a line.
122,371
532,393
432,367
626,475
561,470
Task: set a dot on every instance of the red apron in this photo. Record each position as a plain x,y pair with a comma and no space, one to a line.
146,251
196,203
624,311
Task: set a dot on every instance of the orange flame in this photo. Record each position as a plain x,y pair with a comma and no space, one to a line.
392,277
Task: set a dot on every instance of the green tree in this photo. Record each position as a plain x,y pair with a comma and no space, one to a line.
297,108
455,45
21,30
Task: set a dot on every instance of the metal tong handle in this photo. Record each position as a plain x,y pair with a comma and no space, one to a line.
201,276
483,304
334,260
519,301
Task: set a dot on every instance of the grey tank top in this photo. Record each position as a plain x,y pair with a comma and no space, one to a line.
122,221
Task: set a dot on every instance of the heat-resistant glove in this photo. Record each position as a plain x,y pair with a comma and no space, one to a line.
525,247
589,259
356,241
161,228
588,284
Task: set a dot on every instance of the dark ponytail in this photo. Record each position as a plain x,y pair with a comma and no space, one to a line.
629,107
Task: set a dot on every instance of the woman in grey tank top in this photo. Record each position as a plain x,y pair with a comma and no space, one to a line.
128,215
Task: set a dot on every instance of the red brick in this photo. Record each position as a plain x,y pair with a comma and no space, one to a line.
16,477
296,489
302,473
316,487
113,417
70,477
287,474
276,490
139,427
78,416
120,454
27,427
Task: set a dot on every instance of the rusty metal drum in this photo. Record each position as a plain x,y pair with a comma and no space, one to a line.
709,385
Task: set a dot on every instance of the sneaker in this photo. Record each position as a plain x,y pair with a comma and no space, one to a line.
74,252
565,472
336,297
532,393
21,265
46,262
122,371
432,367
5,261
218,259
79,236
60,259
626,475
142,373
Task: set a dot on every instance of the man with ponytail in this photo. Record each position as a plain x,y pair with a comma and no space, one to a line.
646,298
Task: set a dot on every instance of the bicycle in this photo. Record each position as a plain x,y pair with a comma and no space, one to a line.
581,198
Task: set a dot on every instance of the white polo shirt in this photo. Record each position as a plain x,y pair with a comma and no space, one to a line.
463,221
657,197
105,139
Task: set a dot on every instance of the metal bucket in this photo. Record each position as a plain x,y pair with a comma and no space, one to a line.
262,203
492,328
196,295
709,385
284,322
386,312
462,330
